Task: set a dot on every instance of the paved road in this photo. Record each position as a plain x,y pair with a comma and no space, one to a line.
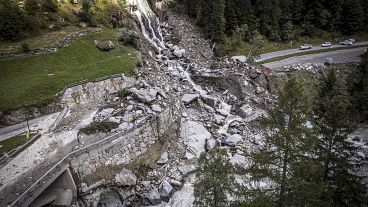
339,56
295,51
34,124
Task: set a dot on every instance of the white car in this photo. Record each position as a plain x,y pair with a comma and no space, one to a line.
326,44
346,42
305,47
352,40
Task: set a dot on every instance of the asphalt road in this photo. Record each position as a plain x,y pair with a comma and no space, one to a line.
296,51
339,56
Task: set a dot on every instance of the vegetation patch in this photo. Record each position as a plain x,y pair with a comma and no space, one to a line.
12,143
34,80
96,127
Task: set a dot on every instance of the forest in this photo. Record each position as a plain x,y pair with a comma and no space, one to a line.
278,20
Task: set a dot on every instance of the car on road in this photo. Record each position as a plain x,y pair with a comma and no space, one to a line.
346,42
326,44
305,47
352,40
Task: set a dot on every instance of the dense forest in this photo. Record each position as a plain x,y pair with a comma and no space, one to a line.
278,20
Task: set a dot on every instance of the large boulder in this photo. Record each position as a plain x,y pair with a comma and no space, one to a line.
194,135
144,95
241,59
239,160
246,111
211,143
153,196
189,98
125,178
179,53
210,100
234,140
164,158
165,189
105,45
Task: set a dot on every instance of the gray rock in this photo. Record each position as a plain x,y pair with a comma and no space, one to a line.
211,143
189,98
153,196
125,178
186,169
241,58
179,53
246,111
105,45
233,140
144,95
106,112
125,126
164,158
194,135
165,189
218,119
260,90
156,108
83,24
262,81
239,160
210,100
114,119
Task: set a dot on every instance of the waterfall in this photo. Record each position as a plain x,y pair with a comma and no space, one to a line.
149,22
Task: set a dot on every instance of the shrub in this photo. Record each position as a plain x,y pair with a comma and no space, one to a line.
50,6
85,13
12,20
25,47
32,7
33,24
96,127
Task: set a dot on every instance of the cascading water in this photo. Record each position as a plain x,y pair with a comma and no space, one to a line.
149,22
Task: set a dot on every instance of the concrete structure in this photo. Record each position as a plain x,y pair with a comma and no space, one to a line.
57,185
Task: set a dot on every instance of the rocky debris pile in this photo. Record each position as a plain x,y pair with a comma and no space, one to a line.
313,67
183,33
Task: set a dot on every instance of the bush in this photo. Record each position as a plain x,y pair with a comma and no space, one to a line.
12,20
96,127
26,47
32,7
50,6
85,13
33,24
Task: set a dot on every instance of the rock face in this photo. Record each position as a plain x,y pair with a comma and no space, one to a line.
165,189
125,178
194,135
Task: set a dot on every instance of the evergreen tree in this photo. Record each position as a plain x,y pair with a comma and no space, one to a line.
214,179
336,153
352,16
12,20
32,7
286,158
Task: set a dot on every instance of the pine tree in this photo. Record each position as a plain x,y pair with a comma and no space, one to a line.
287,156
12,20
336,153
214,179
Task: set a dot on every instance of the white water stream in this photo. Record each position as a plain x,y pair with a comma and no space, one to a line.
150,24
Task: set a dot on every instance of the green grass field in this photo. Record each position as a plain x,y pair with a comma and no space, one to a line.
35,80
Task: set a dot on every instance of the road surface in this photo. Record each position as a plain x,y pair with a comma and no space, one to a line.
41,123
339,56
296,51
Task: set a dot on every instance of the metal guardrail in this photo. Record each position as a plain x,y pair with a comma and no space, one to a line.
66,159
